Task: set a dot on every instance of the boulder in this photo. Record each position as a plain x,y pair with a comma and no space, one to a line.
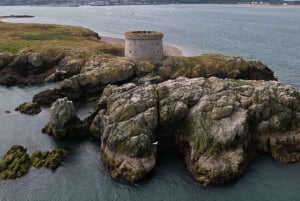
48,159
30,108
15,163
64,122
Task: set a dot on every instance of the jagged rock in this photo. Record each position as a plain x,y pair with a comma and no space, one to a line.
66,68
97,125
129,123
285,148
48,159
91,81
216,124
46,97
5,59
217,65
101,71
28,67
64,122
30,108
15,163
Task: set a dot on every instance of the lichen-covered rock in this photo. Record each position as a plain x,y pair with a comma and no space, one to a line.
70,65
15,163
62,112
97,125
285,148
217,65
30,108
91,80
216,124
64,122
100,71
129,123
48,159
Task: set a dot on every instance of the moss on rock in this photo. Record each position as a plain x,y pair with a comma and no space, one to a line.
30,108
48,159
15,163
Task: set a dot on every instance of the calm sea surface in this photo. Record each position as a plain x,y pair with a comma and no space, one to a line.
271,35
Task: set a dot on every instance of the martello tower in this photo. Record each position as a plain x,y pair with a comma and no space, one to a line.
144,45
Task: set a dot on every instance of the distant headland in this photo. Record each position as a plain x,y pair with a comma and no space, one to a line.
15,16
75,3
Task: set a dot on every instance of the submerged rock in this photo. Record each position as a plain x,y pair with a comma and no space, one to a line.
216,124
30,108
15,163
48,159
64,122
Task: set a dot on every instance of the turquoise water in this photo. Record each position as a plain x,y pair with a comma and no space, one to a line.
271,35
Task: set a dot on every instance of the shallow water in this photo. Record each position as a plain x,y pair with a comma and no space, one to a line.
267,34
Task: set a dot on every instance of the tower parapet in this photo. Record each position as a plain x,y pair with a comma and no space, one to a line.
144,45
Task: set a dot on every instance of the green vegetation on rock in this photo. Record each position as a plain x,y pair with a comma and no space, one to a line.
15,163
29,108
48,159
37,37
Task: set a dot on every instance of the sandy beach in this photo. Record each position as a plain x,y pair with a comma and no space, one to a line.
169,49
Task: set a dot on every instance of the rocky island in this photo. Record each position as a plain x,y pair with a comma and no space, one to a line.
218,111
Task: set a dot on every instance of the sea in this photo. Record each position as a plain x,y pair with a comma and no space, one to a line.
270,34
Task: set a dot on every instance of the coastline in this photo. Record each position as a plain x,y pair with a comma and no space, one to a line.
169,49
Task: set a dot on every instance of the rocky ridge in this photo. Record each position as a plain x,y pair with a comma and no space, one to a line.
99,71
216,123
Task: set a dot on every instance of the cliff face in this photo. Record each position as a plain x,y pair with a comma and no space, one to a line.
216,124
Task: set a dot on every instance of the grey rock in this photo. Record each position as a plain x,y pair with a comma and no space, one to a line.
216,123
64,122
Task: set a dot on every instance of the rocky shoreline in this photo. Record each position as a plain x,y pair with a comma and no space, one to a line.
217,110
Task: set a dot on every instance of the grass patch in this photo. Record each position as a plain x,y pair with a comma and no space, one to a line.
34,37
47,36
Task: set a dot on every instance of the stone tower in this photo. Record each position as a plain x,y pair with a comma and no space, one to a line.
144,45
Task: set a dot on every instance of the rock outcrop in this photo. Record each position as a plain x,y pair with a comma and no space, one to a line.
128,134
30,108
64,122
27,68
48,159
216,124
99,72
15,163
